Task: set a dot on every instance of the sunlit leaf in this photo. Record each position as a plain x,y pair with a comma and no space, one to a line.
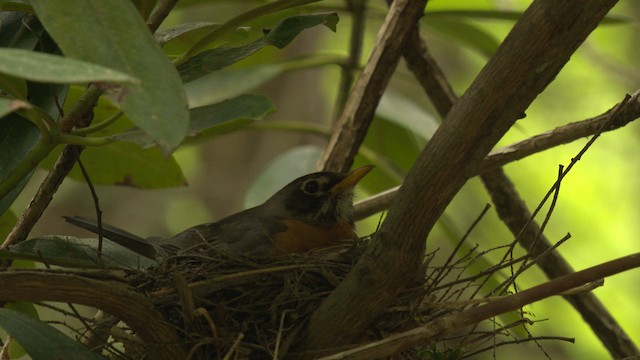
42,341
112,34
55,69
280,36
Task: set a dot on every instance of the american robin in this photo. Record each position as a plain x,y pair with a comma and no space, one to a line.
312,211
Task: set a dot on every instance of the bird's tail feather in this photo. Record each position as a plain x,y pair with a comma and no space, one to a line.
121,237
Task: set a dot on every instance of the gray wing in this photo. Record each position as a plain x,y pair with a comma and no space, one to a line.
242,234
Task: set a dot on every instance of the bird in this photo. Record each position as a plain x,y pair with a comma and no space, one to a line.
312,211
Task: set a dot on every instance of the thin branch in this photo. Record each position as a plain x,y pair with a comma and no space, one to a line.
424,334
159,13
509,205
628,112
357,9
530,57
514,213
360,107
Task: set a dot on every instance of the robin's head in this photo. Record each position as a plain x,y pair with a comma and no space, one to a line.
322,197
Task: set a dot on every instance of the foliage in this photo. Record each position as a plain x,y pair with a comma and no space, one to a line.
139,106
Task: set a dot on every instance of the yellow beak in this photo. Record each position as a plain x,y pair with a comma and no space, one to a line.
350,179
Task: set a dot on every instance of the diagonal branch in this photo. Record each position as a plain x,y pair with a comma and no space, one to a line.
359,110
511,207
530,57
629,112
427,332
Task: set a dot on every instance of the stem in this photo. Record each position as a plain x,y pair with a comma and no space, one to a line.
84,141
99,126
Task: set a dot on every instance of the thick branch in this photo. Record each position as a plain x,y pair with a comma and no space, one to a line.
360,108
111,296
424,334
530,57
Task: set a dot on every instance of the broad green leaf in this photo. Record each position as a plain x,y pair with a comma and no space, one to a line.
14,86
471,35
246,106
215,119
75,252
55,69
17,137
228,83
41,340
281,171
401,110
15,349
126,164
7,221
280,36
18,6
180,38
8,106
112,34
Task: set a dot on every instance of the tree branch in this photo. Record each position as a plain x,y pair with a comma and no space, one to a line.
514,213
111,296
424,334
359,110
530,57
561,135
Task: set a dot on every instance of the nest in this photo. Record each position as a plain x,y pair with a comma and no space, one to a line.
225,305
222,303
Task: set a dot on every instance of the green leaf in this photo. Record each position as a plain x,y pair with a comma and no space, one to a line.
55,69
280,36
75,252
228,83
7,221
281,171
112,34
126,164
399,109
471,35
17,137
15,349
41,340
182,37
215,119
8,106
13,86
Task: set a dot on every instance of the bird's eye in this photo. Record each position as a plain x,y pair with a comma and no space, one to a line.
311,187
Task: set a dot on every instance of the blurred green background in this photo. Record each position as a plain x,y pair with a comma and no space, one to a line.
598,201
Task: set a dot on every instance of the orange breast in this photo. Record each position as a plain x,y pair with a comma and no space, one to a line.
301,237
